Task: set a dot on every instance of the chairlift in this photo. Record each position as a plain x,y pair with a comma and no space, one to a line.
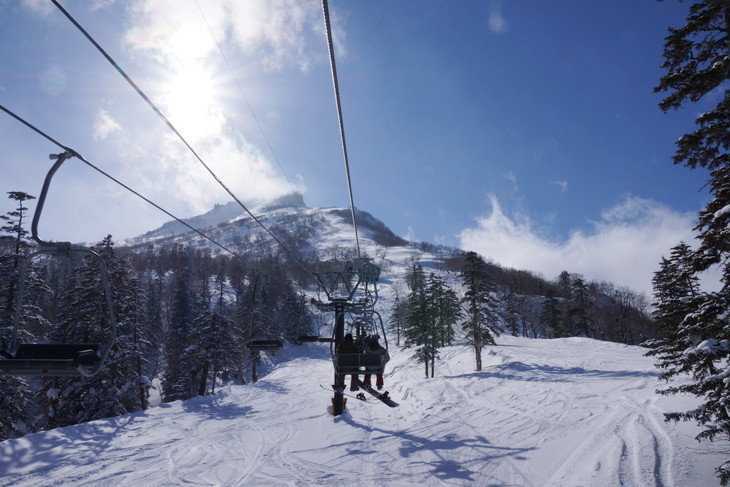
56,359
364,362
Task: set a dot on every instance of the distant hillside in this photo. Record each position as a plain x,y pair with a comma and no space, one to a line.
321,236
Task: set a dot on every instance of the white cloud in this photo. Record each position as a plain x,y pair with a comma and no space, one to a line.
277,31
105,125
624,246
188,89
563,185
101,4
42,7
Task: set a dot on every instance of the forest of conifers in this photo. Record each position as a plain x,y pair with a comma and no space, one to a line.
185,316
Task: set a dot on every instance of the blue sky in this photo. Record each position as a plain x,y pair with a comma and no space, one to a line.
526,130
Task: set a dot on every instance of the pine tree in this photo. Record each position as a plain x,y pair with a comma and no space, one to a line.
127,361
481,304
697,62
417,332
14,240
551,315
565,284
675,288
14,225
445,305
432,313
513,320
295,316
398,314
15,398
415,276
178,380
213,343
154,318
83,318
579,309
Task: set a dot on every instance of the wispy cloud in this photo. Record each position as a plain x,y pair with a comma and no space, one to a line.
105,125
624,246
512,178
174,38
42,7
562,184
277,31
496,22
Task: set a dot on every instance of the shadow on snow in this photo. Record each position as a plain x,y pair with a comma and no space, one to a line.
443,467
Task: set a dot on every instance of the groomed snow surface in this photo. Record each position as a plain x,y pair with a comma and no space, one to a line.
565,412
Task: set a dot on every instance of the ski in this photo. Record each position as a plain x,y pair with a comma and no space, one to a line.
384,397
360,396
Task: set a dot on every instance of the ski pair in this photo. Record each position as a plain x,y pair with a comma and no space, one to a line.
384,397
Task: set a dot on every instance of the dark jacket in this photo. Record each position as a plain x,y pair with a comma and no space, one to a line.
374,347
347,346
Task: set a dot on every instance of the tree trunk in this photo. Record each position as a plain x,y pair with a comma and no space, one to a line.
203,379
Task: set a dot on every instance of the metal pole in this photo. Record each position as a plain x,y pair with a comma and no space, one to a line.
338,402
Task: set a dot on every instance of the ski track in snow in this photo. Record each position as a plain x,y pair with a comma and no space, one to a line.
568,412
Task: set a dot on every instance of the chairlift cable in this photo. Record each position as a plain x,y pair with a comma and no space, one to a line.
82,159
335,84
176,132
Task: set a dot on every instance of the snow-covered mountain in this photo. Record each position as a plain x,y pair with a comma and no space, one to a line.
287,216
317,235
564,412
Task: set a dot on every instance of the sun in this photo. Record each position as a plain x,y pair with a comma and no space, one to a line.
192,101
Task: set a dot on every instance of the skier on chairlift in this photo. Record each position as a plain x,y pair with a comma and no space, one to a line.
373,346
347,345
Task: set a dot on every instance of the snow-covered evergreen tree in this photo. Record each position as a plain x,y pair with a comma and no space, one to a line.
697,63
127,361
83,318
432,313
445,306
481,304
15,399
675,288
580,308
398,314
177,379
551,316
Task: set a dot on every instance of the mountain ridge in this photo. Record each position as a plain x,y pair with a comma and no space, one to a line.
282,211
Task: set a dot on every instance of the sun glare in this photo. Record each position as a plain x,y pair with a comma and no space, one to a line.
191,101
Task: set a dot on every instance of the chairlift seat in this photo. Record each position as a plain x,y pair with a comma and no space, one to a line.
52,359
312,339
265,345
363,363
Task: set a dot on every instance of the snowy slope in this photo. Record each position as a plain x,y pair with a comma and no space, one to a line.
232,226
566,412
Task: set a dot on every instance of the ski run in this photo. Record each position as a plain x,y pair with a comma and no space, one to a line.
562,412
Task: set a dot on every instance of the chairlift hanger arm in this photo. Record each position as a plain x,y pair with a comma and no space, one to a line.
64,359
60,159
